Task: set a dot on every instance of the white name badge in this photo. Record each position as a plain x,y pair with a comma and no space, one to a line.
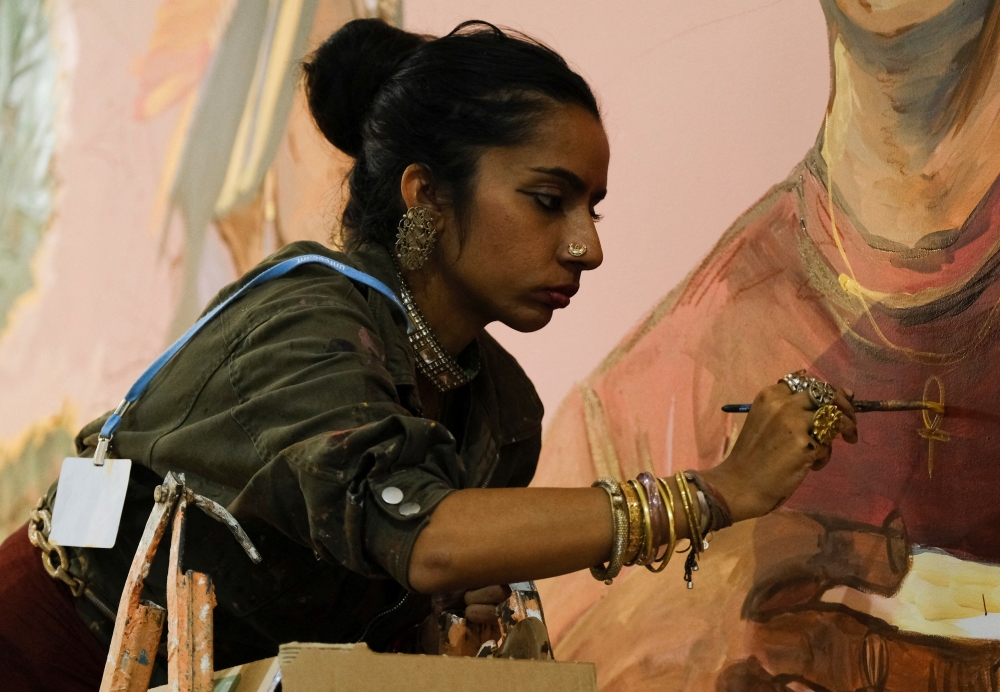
89,503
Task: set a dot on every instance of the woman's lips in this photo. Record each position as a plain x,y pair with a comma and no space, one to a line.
558,297
557,300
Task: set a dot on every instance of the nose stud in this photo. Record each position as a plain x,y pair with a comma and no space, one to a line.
577,249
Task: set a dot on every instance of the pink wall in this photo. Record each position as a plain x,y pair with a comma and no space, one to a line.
707,104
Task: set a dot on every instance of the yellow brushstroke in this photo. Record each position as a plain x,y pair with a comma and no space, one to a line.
12,449
932,431
29,462
258,113
645,456
602,449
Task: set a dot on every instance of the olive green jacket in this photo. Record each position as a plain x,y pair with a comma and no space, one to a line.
295,408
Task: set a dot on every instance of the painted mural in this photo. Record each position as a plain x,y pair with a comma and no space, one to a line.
874,265
152,151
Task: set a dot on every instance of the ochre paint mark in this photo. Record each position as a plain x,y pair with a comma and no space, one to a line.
932,431
602,449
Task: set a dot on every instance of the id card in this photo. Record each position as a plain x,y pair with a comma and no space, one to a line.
89,503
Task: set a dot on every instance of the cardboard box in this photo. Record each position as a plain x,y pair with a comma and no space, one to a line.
355,668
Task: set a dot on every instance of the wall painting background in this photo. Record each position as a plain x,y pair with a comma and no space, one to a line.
873,264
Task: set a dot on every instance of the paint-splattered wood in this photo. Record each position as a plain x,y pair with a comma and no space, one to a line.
137,624
459,637
522,613
141,638
190,601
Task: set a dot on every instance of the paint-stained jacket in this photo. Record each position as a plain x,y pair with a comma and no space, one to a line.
295,408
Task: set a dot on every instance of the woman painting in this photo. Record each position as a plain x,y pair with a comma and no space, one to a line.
369,435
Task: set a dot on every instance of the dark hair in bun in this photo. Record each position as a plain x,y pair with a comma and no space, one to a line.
390,98
346,72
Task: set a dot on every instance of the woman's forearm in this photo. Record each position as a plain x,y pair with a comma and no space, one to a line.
505,535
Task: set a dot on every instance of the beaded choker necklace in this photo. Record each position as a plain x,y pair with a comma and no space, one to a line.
432,360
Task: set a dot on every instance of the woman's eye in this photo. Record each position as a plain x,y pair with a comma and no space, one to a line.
549,202
595,216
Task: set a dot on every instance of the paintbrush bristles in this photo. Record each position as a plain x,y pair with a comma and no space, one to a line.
870,406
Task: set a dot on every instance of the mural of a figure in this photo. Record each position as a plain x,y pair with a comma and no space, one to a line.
883,571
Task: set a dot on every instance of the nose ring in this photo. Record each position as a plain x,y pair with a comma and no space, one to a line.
577,249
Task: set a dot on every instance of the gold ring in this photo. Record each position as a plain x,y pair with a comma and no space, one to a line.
826,423
577,249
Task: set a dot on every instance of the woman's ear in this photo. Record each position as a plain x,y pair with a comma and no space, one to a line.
418,189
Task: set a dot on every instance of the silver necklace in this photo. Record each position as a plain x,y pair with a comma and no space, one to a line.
432,360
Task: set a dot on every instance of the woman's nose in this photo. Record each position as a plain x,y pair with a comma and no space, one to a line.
583,246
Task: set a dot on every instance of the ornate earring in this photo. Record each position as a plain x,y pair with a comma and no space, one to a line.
415,238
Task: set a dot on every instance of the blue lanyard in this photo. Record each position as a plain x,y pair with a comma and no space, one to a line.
111,425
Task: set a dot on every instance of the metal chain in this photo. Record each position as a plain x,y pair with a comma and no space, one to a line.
39,527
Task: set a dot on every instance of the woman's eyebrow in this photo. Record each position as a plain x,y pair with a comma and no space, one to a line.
575,182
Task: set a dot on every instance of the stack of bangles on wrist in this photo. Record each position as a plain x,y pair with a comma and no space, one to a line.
642,511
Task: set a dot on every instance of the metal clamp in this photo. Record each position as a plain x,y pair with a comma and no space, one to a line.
104,441
168,492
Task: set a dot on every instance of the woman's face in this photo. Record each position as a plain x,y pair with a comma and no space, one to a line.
530,202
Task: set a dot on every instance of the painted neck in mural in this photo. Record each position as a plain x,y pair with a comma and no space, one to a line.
915,110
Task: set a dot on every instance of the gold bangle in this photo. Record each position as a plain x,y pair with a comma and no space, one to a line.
693,520
690,513
646,554
619,517
668,502
634,525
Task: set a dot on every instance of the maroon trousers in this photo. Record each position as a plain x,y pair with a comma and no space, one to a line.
44,645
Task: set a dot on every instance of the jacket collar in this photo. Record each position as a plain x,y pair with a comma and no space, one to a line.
377,261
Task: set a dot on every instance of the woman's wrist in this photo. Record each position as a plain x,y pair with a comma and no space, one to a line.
716,514
731,491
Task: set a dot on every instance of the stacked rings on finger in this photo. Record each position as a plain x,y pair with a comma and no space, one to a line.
797,381
820,393
826,424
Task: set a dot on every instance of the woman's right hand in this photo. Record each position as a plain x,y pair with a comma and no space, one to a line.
775,451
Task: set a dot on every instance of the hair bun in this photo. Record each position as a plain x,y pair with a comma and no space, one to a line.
345,73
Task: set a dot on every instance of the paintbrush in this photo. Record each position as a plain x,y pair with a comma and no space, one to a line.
862,406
